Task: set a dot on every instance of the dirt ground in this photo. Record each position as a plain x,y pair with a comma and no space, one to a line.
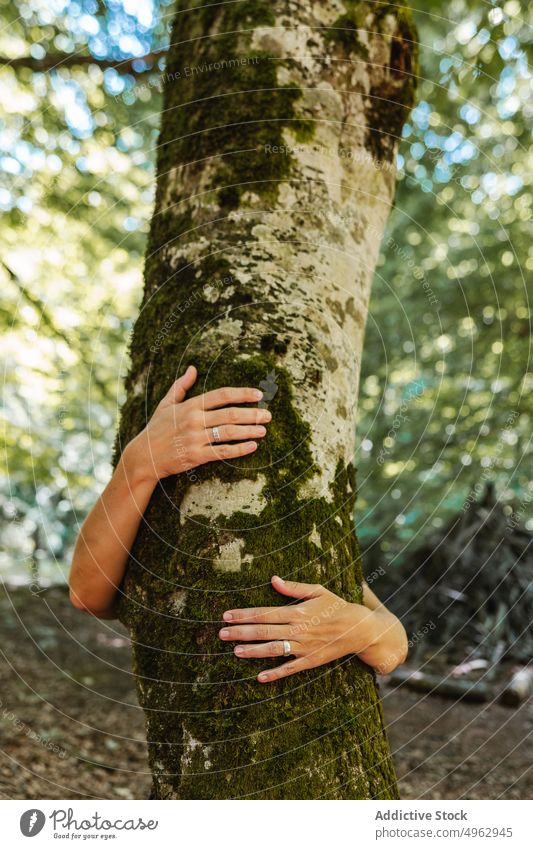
71,727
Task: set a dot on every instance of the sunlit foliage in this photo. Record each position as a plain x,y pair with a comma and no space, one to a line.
447,374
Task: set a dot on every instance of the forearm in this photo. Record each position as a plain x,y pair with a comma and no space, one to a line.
388,645
180,435
105,539
388,648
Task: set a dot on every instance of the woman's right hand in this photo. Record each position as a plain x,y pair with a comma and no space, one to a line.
179,435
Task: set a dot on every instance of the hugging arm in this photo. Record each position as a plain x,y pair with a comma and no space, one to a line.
321,627
178,437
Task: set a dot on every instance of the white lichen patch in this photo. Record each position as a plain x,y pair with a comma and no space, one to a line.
314,537
230,558
215,498
211,294
207,752
225,331
139,386
178,601
312,253
316,487
228,327
190,744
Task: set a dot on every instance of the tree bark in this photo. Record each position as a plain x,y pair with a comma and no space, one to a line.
274,182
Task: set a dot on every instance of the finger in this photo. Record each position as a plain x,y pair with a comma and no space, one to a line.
254,632
295,589
228,433
180,387
209,453
237,416
225,396
272,649
284,670
273,615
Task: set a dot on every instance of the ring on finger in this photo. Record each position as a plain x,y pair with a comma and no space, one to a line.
216,434
286,648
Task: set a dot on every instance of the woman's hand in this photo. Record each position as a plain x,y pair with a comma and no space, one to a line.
321,628
179,436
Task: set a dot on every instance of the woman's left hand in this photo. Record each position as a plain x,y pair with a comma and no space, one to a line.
321,628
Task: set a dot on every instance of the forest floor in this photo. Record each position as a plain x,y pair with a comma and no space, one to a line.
71,727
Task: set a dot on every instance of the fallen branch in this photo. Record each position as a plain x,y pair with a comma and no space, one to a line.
454,688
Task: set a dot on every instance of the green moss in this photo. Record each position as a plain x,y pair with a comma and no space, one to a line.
391,100
229,197
272,342
345,30
223,100
189,678
320,734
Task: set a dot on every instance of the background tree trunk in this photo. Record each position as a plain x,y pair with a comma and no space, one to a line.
275,180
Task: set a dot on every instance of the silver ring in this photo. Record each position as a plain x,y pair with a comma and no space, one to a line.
216,434
286,648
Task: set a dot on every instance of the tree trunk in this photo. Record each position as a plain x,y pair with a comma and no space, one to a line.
275,179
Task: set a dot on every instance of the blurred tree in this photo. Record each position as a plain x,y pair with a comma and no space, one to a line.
276,173
446,379
76,150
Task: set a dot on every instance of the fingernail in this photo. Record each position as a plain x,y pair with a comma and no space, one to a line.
262,676
252,444
258,394
227,616
239,650
277,577
224,632
262,430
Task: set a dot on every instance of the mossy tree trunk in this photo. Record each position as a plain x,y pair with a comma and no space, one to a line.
275,180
